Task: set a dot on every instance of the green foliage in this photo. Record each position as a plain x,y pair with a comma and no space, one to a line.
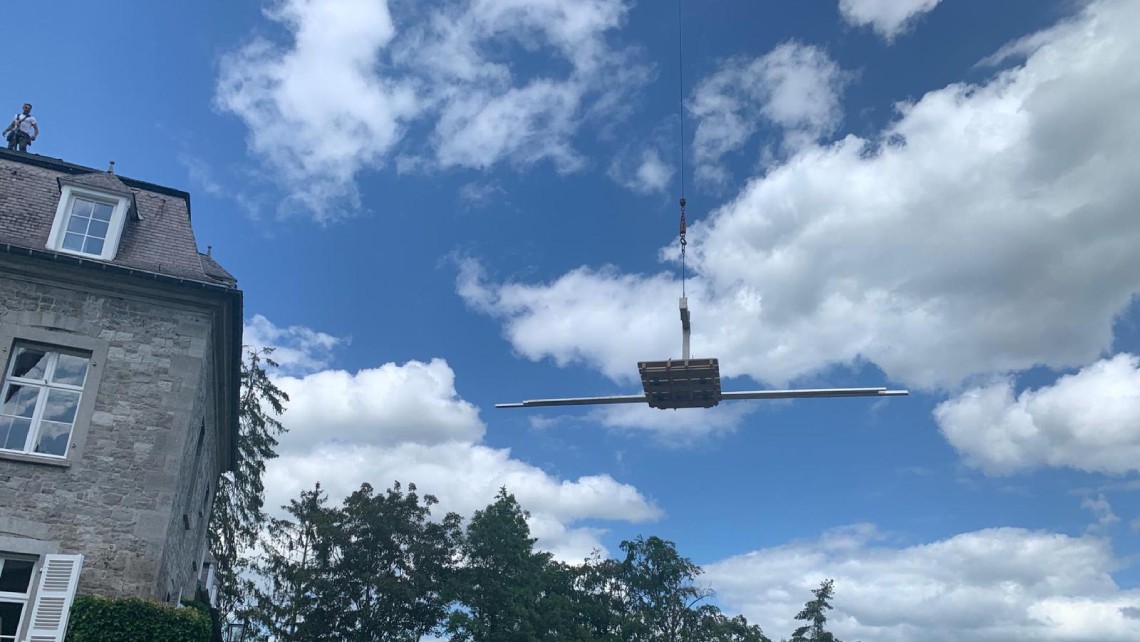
373,569
378,567
238,514
98,619
201,602
296,568
506,591
660,591
814,614
393,564
652,595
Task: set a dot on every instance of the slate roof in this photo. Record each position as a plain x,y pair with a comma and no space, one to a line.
157,236
215,271
100,180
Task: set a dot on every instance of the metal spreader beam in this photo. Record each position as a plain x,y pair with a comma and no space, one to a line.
753,394
694,383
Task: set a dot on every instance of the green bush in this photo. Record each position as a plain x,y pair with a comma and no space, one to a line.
100,619
202,602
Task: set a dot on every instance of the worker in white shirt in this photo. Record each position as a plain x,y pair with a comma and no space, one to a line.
22,130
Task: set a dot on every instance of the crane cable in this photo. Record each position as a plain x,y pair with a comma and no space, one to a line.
681,113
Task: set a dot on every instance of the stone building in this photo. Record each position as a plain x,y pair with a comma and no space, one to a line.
121,349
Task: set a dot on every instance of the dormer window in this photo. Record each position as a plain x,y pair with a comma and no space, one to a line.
89,222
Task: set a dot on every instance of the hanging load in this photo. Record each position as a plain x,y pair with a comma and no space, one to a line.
688,382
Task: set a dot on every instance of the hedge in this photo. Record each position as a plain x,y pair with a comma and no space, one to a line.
101,619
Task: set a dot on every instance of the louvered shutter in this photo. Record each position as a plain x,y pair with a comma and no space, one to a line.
58,581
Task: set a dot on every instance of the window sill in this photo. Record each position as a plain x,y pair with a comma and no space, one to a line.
81,255
35,459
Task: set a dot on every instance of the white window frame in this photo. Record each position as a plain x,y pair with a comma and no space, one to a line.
68,194
25,598
41,399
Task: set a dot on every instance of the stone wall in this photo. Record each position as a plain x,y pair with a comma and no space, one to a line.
121,496
198,469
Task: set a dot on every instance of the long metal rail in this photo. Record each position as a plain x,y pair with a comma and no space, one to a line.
753,394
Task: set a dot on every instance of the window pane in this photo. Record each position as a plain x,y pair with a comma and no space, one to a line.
61,405
77,224
16,576
31,363
53,438
20,401
73,242
70,370
93,245
102,212
81,208
97,229
14,432
10,613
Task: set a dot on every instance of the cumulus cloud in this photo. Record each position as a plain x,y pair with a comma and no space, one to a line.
989,228
644,173
1088,421
889,18
392,404
296,349
676,427
465,477
1102,510
315,108
351,86
795,87
993,585
407,422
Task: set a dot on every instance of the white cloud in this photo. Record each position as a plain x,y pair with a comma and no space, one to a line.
392,404
678,427
795,87
353,83
296,349
465,476
993,585
644,173
316,110
407,422
598,316
479,195
990,228
1089,421
1102,510
889,18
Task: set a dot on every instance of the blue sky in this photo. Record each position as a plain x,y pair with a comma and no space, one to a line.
434,207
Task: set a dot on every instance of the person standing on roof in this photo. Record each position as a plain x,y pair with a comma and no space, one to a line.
22,130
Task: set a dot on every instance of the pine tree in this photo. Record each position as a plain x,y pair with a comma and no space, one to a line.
506,591
814,614
295,571
237,515
394,563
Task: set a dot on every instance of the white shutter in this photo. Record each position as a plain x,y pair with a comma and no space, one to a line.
58,581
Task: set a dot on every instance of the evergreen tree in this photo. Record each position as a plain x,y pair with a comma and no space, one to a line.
505,591
296,572
393,565
652,595
660,592
237,515
814,614
715,626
